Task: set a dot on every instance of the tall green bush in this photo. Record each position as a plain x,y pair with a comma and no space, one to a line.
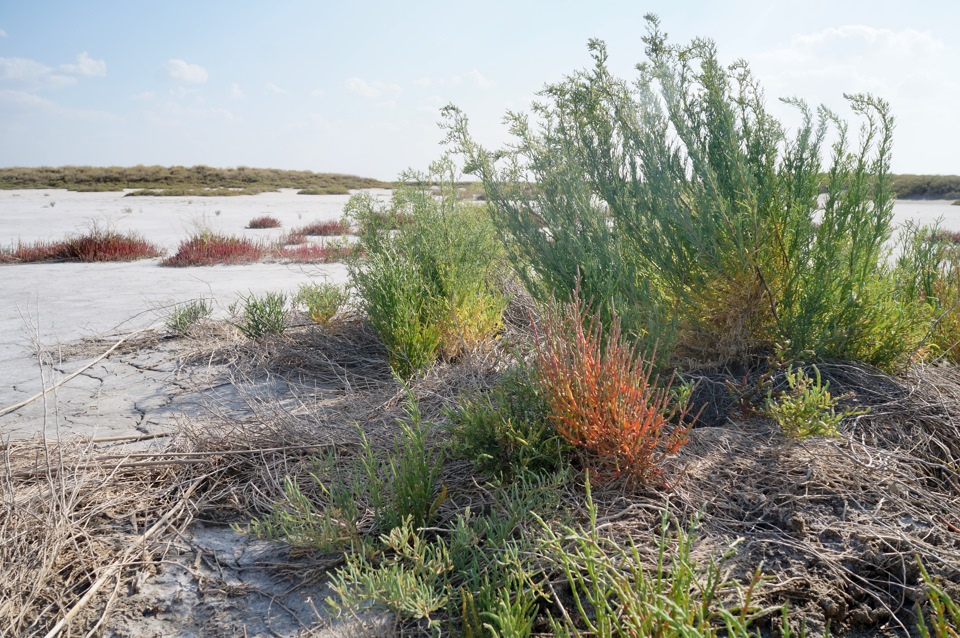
682,203
428,284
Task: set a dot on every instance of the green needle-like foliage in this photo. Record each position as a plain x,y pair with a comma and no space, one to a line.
681,203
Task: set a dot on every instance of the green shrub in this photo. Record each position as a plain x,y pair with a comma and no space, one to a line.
405,487
478,579
427,287
185,316
506,431
683,204
322,301
806,408
263,315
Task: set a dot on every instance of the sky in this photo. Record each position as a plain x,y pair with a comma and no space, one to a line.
356,87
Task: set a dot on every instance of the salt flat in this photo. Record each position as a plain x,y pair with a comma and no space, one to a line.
47,304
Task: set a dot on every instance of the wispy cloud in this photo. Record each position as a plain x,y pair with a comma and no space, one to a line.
273,89
185,72
144,96
854,58
175,114
479,79
24,100
373,90
3,33
86,66
32,74
235,91
474,76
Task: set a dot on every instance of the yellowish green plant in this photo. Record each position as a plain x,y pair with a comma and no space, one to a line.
428,285
806,408
944,615
322,301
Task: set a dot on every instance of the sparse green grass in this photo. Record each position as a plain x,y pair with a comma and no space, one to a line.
262,315
184,316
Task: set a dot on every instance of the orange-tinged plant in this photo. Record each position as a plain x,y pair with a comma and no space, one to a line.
604,398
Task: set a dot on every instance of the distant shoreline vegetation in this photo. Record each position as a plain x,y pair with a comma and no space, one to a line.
183,181
207,181
927,186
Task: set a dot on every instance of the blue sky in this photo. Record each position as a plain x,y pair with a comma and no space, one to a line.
355,87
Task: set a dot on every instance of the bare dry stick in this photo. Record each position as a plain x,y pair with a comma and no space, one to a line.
17,406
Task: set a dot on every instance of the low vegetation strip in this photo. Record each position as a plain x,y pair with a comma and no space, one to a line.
95,246
926,186
181,180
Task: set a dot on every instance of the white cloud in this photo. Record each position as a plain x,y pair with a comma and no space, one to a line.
3,33
453,80
854,58
479,79
473,75
373,90
431,104
32,74
86,66
320,123
317,93
274,89
913,70
172,113
235,91
144,96
185,72
24,100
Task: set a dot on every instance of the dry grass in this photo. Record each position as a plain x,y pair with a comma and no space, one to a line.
835,523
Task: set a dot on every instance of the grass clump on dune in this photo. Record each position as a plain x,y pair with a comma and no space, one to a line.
317,253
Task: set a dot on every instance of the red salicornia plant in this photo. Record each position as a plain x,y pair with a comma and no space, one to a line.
604,399
264,221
